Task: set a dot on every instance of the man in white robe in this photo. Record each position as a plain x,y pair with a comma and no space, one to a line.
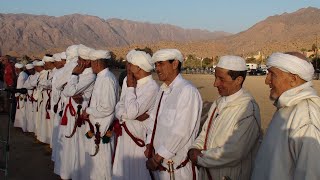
30,84
20,118
61,165
56,102
44,93
229,139
175,119
101,112
78,92
138,94
291,147
38,96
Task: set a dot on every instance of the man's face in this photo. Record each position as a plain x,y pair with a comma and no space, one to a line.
224,83
48,65
95,66
133,68
17,71
165,71
278,81
4,60
86,63
31,71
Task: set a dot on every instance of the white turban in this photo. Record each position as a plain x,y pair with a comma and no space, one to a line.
99,54
47,59
167,54
141,59
57,57
292,64
38,63
84,52
63,55
72,53
18,65
29,66
234,63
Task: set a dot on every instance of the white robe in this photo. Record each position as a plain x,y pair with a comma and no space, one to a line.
177,126
31,104
59,84
44,88
55,100
68,155
20,118
37,94
129,160
233,137
291,147
101,110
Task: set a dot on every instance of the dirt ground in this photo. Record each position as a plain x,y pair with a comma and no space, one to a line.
31,160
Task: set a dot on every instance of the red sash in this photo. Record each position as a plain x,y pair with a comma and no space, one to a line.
64,119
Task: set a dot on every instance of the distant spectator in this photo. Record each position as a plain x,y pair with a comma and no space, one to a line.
9,72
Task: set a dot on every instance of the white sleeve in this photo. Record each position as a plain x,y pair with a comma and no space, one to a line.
74,86
135,106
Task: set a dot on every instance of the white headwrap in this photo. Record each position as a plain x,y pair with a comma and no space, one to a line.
292,64
47,59
234,63
167,54
57,57
72,53
29,66
141,59
18,65
38,63
99,54
84,52
63,55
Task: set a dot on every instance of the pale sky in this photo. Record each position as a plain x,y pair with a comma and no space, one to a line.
214,15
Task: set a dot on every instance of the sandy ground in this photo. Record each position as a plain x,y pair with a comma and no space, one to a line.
30,160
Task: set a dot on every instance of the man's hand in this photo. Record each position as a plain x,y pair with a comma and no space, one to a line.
149,152
143,117
78,69
193,155
131,80
154,162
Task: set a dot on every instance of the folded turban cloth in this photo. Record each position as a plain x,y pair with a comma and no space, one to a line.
18,65
38,63
72,52
47,59
99,54
63,55
167,54
57,57
84,52
292,64
234,63
141,59
29,66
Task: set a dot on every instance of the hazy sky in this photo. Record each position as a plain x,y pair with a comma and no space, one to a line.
214,15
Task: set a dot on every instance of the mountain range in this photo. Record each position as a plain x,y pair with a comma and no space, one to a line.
35,35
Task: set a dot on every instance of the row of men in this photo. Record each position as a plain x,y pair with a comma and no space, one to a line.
152,132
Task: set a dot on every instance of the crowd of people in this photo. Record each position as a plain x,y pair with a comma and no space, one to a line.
100,130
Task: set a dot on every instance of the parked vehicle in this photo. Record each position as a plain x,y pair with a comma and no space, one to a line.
257,72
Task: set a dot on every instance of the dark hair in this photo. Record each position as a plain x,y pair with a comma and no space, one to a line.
179,65
235,74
